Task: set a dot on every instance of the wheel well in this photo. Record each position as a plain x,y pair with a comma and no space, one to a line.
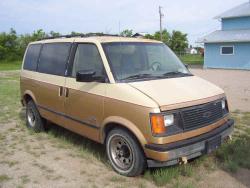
27,98
111,126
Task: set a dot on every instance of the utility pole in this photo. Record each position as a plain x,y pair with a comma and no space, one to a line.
161,16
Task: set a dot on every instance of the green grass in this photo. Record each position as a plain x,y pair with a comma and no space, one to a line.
10,65
191,59
235,154
162,176
117,179
9,97
4,178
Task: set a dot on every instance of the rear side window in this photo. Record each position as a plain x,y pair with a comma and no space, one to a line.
53,58
31,57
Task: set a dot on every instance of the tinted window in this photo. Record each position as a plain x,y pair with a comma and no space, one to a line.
53,58
31,57
87,57
227,50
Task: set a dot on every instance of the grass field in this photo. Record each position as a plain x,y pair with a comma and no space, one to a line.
192,59
19,141
10,65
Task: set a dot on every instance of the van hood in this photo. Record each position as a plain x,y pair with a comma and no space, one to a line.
172,91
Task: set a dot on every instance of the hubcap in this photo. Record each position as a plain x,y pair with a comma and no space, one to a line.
31,117
121,152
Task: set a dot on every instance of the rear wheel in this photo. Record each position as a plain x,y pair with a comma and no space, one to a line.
34,120
124,153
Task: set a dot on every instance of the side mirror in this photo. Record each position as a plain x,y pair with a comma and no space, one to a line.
89,76
85,76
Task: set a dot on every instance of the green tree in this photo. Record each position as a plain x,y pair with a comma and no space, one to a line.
76,33
149,36
54,34
165,36
178,41
157,36
127,33
24,40
38,35
8,45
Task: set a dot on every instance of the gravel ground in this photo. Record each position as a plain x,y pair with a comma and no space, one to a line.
236,84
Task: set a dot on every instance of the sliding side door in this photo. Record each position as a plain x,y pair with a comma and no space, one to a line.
51,80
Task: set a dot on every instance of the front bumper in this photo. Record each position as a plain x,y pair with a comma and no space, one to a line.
189,148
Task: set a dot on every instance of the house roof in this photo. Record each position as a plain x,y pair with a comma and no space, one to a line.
226,36
239,11
140,34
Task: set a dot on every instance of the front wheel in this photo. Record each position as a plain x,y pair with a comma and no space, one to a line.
124,153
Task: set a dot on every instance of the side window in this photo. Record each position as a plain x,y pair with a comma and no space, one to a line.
53,58
87,57
31,57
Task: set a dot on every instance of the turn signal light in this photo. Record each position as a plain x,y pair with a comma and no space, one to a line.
157,124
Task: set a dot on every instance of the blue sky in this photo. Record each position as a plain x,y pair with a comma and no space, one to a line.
194,17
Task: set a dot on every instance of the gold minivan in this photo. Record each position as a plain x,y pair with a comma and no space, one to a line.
133,95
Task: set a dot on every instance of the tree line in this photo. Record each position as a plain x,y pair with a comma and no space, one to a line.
12,45
176,40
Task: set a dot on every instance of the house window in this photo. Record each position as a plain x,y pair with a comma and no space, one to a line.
227,50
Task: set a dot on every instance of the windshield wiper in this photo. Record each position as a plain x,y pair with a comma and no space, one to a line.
137,76
176,73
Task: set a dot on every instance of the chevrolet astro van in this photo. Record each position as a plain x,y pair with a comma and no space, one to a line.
133,95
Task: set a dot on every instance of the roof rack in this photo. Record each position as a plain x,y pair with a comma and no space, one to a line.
80,35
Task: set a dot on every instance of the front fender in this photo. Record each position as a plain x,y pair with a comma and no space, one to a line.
124,123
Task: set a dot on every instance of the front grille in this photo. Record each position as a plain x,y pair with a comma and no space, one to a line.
201,115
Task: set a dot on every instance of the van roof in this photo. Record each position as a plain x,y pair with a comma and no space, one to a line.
101,39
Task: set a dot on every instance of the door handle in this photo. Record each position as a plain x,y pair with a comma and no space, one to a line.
66,92
60,92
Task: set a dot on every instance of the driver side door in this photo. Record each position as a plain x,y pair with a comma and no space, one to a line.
84,100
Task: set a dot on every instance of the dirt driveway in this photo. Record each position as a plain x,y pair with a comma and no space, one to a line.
236,84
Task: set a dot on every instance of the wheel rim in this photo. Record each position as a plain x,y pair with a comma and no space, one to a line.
31,117
121,152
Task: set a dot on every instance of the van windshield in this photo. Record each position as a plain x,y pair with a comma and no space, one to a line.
131,61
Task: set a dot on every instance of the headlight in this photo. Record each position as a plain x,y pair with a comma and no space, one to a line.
223,104
168,120
160,122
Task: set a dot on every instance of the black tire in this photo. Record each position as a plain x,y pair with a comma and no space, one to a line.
135,164
34,120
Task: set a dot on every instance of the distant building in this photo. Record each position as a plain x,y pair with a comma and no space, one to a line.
230,46
140,35
191,51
